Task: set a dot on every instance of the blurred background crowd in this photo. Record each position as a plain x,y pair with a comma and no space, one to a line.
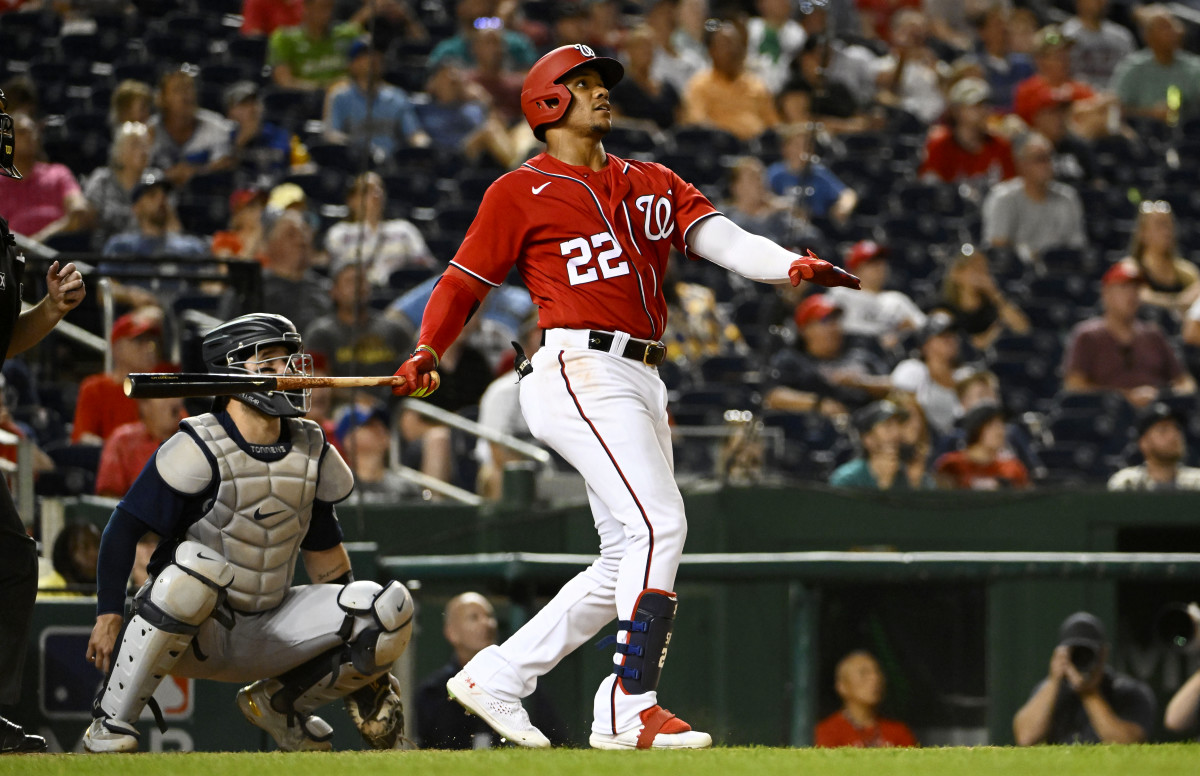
1014,181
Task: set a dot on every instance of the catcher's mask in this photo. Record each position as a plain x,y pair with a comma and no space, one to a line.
229,347
7,141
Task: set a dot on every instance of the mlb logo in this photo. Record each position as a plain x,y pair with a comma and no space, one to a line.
69,683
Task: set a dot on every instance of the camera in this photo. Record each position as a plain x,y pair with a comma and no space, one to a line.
1083,658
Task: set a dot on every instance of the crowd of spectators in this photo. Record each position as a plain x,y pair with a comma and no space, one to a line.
1013,184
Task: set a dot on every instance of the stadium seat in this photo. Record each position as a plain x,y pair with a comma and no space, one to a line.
627,141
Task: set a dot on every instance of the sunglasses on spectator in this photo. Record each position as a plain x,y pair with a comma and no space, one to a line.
1155,206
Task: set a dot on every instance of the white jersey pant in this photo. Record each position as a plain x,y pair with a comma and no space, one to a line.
266,644
606,415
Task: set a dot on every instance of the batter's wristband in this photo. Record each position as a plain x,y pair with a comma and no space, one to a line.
432,352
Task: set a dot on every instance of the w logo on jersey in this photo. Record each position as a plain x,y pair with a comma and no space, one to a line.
659,223
585,50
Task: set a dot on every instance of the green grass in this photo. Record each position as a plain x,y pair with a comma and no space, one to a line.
1172,759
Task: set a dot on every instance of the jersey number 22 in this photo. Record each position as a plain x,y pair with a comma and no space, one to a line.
578,253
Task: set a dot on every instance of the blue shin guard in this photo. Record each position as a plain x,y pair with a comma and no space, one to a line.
642,657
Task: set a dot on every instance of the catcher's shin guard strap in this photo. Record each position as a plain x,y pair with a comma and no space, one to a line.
645,651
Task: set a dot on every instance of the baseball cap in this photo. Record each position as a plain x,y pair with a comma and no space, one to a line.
239,92
815,308
1041,97
1154,413
1124,271
286,195
359,47
151,177
242,197
875,413
969,91
134,324
862,252
360,414
1082,629
973,421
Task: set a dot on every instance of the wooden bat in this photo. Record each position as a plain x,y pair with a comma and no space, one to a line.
164,385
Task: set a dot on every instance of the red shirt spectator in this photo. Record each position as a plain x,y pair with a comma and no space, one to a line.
102,405
261,17
131,445
837,730
1035,92
948,160
986,463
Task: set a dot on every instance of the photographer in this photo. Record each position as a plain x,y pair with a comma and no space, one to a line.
1082,701
1182,708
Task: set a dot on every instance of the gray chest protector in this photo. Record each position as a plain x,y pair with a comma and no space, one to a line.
261,511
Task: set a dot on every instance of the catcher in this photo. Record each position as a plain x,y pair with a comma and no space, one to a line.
237,495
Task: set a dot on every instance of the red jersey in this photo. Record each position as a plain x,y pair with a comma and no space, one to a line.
1003,473
951,162
590,246
838,730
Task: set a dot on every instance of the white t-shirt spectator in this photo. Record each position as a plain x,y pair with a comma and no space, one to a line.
875,314
393,245
939,402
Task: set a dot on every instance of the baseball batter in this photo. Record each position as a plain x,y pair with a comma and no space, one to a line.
238,495
590,234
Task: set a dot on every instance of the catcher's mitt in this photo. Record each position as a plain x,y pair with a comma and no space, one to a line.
377,712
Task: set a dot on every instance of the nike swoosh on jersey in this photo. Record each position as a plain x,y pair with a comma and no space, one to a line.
538,189
258,514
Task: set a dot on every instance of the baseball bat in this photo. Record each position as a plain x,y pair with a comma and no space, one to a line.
168,385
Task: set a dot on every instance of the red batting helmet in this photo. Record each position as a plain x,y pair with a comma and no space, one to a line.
544,100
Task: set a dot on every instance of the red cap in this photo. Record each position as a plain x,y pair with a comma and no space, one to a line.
862,252
1123,272
134,324
242,197
1040,97
815,308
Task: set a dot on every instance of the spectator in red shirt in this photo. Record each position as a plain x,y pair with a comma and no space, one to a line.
48,200
131,445
102,405
860,684
986,463
261,17
962,147
1052,58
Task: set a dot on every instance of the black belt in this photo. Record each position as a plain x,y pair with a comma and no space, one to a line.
649,352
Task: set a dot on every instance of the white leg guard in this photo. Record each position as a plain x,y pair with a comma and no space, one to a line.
376,631
166,619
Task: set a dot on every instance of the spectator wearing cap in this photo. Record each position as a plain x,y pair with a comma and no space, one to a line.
822,373
970,293
1050,116
1090,109
312,54
263,152
1161,81
355,338
364,429
962,148
1033,212
475,14
802,177
986,463
47,200
875,311
102,405
109,189
1163,447
384,246
154,215
1099,44
879,465
929,376
726,95
290,286
188,139
373,117
644,94
1002,67
131,445
245,233
1117,352
1082,700
1172,282
975,386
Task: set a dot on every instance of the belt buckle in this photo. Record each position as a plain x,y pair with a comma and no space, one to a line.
646,354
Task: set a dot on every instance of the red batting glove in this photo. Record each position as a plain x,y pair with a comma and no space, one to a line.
821,272
419,373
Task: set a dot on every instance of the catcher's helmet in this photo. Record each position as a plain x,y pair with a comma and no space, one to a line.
7,141
544,99
227,347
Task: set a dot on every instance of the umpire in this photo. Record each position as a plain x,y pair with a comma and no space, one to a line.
20,331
